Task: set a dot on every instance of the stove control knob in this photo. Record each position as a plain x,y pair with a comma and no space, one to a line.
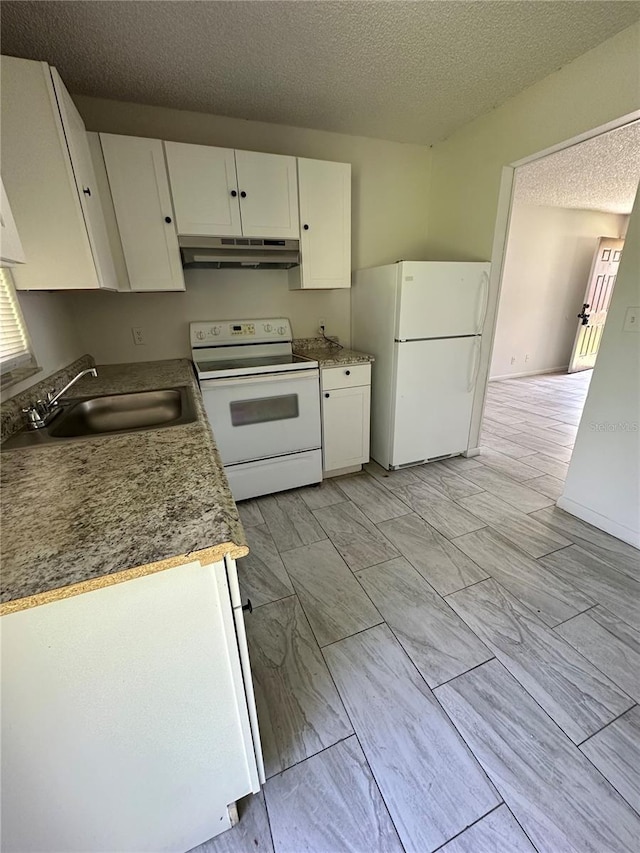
281,330
200,336
268,327
214,330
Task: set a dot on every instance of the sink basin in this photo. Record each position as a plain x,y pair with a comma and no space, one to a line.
112,413
121,412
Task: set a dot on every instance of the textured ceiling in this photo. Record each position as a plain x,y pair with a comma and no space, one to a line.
599,174
407,71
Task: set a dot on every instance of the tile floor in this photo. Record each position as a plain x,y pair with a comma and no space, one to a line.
443,660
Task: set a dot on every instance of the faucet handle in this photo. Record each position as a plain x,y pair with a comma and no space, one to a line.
33,417
49,398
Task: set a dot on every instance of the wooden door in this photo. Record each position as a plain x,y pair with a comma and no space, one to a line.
204,190
268,187
85,179
345,427
325,223
596,301
142,203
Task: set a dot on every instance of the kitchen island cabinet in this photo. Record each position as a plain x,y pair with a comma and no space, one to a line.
126,725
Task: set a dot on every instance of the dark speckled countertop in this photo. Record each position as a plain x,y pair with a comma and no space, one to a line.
83,514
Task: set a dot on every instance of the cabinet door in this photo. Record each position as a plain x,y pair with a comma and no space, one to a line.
38,177
86,185
325,219
142,203
268,195
204,189
11,251
345,427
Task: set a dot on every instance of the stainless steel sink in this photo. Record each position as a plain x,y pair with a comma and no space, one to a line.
111,414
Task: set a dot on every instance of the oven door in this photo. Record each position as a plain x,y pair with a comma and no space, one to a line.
257,417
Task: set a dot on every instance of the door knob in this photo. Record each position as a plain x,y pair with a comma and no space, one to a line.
583,314
234,193
327,394
243,194
167,219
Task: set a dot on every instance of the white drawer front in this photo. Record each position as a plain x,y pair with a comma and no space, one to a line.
347,376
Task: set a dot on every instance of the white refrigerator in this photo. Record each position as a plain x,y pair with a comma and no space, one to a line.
423,321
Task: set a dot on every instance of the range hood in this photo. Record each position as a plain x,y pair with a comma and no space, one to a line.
238,253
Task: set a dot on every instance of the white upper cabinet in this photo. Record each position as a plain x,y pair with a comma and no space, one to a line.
142,202
204,189
49,178
268,189
219,192
325,225
86,184
11,251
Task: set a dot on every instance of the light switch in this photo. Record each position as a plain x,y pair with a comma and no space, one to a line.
632,319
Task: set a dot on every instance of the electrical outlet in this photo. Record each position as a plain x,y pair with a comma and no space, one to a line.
526,358
513,359
138,335
322,326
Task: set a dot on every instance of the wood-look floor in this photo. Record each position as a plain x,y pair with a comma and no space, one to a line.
443,659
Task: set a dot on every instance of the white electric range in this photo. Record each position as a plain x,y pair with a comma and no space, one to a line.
263,403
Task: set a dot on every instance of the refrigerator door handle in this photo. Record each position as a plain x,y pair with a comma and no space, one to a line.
475,364
483,302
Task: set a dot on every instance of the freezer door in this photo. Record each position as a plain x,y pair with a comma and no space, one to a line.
439,299
434,394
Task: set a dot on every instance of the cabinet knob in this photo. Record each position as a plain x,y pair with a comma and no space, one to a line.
167,219
243,194
234,193
348,372
248,606
327,394
86,190
306,227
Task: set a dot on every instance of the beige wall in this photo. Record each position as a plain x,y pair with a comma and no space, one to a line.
603,484
389,221
54,337
547,264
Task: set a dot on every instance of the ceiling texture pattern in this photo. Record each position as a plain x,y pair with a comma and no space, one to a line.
405,71
599,174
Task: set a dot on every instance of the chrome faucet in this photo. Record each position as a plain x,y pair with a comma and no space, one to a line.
40,413
51,402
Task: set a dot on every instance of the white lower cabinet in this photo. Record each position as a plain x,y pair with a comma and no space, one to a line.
128,716
346,409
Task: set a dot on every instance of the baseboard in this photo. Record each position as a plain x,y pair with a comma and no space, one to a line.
602,522
563,369
471,452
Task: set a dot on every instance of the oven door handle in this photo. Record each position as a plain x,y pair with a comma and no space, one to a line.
298,375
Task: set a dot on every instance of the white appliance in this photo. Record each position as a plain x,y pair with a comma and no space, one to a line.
263,403
423,321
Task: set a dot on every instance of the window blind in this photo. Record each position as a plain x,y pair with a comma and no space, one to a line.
14,341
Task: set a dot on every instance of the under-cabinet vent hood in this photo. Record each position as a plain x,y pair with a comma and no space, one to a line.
238,253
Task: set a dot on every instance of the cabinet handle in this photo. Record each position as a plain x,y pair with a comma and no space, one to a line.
248,606
167,219
86,190
348,372
243,194
306,227
327,394
234,193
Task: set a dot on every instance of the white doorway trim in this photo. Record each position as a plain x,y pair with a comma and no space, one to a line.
498,251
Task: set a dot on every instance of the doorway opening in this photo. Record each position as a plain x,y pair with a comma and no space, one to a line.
569,216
